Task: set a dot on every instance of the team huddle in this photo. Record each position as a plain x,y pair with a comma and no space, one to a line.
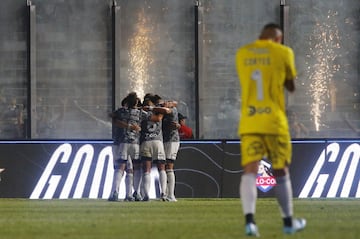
145,133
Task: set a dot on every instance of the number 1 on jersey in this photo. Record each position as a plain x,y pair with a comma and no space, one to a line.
256,76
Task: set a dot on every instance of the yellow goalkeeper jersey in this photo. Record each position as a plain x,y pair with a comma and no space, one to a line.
262,67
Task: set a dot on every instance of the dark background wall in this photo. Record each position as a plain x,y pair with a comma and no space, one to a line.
13,64
77,82
74,60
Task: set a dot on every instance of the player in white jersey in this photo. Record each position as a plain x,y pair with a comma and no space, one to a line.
151,145
171,146
137,170
126,122
133,178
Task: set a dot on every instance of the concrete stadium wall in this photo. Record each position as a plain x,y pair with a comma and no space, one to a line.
73,89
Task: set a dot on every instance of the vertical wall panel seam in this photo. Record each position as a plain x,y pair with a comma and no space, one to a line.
196,70
284,23
116,37
31,72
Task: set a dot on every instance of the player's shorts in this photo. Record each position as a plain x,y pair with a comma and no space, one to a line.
153,149
276,148
171,149
123,151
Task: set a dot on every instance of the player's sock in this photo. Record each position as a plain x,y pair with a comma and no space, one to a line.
129,179
170,183
248,194
249,218
137,180
287,221
146,183
118,174
163,181
283,192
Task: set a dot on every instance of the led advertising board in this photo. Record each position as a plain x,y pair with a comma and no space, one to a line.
204,169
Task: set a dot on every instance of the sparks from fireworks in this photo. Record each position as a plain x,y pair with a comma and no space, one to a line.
321,73
139,54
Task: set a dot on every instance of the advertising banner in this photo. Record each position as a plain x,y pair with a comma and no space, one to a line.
203,169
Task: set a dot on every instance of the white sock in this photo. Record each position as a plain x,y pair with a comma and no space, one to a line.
137,180
129,179
163,181
170,183
283,191
248,193
146,184
118,174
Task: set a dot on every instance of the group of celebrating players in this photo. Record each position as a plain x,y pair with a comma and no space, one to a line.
145,133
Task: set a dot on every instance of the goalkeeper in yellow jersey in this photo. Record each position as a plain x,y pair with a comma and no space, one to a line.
265,68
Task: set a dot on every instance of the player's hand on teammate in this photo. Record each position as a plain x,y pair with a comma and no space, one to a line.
135,127
175,125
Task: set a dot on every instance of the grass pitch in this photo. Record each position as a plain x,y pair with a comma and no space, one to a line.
185,219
